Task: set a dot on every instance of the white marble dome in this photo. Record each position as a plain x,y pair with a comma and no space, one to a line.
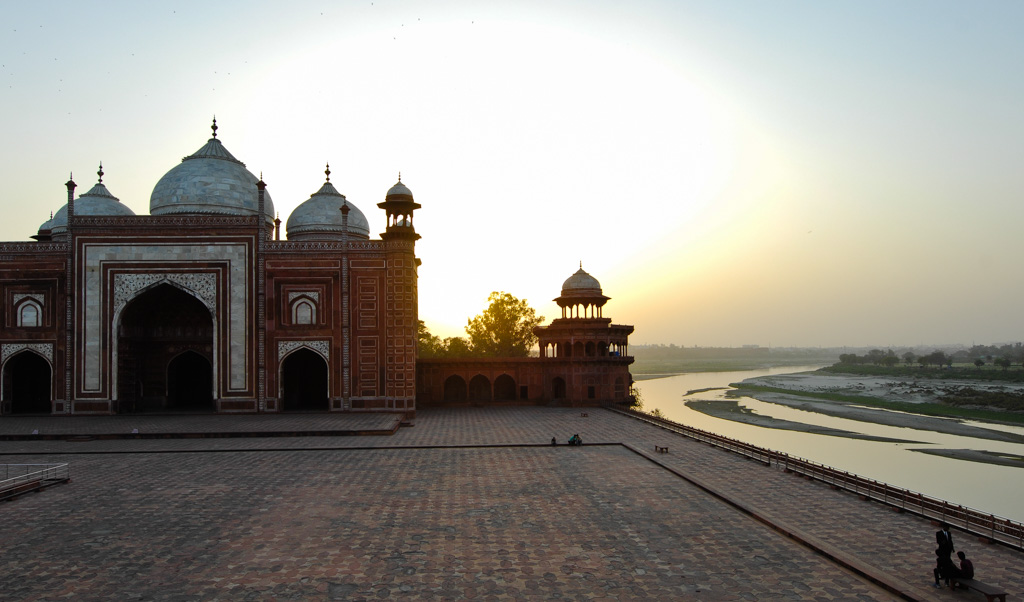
210,181
581,284
399,189
320,218
98,201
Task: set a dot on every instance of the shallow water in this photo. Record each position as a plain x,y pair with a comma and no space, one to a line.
994,489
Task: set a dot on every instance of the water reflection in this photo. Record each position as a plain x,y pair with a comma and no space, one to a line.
995,489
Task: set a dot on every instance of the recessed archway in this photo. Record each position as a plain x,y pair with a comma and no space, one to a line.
479,388
190,383
155,329
27,380
558,388
504,388
455,388
304,386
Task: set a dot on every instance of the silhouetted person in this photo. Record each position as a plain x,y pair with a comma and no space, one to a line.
945,540
553,442
944,567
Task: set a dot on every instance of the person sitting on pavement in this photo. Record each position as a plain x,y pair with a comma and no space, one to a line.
965,571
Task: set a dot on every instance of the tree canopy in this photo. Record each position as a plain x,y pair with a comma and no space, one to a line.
505,328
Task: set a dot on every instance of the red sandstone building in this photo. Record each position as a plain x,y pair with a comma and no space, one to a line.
200,306
583,361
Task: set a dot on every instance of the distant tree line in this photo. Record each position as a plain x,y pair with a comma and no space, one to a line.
1002,356
503,329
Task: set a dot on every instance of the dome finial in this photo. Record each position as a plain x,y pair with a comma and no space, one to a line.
399,176
328,172
581,264
100,172
214,126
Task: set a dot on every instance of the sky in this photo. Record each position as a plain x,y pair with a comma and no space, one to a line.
733,173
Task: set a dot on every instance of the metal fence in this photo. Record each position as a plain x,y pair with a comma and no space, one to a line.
976,522
22,478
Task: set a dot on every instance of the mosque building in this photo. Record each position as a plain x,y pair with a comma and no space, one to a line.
201,306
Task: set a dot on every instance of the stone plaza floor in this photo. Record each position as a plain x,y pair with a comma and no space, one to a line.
466,504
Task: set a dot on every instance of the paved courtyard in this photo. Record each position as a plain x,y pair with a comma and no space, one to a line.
466,504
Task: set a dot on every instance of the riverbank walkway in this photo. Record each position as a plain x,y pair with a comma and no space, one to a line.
462,504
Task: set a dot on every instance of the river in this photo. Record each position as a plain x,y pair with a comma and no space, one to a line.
993,489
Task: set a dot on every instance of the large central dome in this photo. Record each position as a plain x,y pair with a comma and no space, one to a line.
209,181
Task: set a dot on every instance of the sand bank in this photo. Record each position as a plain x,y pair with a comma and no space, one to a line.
873,386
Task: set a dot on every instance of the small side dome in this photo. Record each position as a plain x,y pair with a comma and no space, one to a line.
320,217
210,181
399,192
98,201
581,284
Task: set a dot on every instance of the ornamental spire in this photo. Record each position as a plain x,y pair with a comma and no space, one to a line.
328,172
100,172
214,126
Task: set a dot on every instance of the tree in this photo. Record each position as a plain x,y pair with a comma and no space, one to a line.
456,347
979,362
1002,362
909,357
505,328
430,345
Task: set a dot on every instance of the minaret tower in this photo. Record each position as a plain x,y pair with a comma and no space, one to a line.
401,305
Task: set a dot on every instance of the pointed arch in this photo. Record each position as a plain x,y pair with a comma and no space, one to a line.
30,314
455,388
155,325
479,388
27,383
504,388
304,379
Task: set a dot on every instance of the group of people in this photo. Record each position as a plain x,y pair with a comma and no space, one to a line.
945,568
574,440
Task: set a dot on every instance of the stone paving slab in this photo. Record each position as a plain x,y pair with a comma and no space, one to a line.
899,546
433,524
194,424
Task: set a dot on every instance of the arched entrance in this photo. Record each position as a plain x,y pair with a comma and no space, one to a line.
504,388
27,379
164,346
454,388
304,382
558,388
479,388
190,383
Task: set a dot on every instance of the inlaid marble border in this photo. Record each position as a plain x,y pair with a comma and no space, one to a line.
9,349
132,258
320,346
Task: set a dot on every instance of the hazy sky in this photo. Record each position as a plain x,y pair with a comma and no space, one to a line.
784,173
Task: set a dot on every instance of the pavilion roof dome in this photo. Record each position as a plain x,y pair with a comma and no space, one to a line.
581,284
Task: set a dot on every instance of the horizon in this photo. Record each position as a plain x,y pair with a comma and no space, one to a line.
786,175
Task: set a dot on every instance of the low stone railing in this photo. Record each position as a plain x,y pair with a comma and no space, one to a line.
982,524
